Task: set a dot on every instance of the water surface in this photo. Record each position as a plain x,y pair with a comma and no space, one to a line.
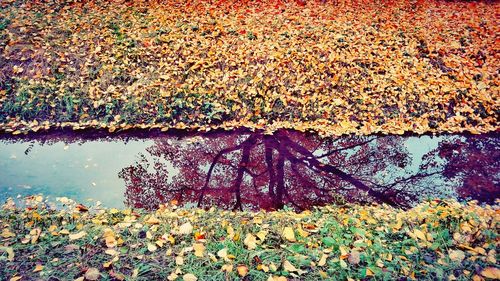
250,170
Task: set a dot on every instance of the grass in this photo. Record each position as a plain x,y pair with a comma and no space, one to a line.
435,240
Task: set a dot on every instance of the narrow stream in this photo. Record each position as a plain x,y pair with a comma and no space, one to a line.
250,170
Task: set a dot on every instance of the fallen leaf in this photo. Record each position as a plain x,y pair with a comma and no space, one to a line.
419,234
77,236
322,260
172,276
222,253
186,228
227,268
262,235
152,247
152,220
189,277
491,272
250,241
354,257
289,267
38,268
109,238
369,272
179,260
81,208
9,251
198,249
92,274
457,255
242,270
288,234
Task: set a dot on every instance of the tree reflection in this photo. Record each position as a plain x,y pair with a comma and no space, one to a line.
238,170
471,164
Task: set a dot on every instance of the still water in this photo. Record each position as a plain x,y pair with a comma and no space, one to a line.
250,170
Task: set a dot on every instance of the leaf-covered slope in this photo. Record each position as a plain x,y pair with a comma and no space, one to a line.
334,67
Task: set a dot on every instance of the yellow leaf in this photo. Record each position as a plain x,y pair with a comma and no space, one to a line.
16,69
322,260
250,241
227,268
480,251
398,225
109,238
242,270
343,251
77,236
230,232
9,251
107,264
6,233
186,228
419,234
491,272
263,267
189,277
38,267
152,247
369,272
288,234
15,278
198,249
152,220
302,232
111,252
262,235
179,260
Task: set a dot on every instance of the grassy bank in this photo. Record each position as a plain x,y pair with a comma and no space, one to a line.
436,240
331,66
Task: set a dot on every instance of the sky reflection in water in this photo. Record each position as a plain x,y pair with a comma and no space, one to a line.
245,170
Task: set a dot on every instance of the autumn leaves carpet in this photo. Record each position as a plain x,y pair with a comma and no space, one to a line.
331,66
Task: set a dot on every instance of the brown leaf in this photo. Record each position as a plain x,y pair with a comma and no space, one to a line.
92,274
354,257
491,272
242,270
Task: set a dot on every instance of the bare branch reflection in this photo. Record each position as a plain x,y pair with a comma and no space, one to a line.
253,170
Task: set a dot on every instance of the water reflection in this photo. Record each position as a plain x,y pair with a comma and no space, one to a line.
251,170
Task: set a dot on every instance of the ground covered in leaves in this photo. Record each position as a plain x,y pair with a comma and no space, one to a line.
329,66
436,240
